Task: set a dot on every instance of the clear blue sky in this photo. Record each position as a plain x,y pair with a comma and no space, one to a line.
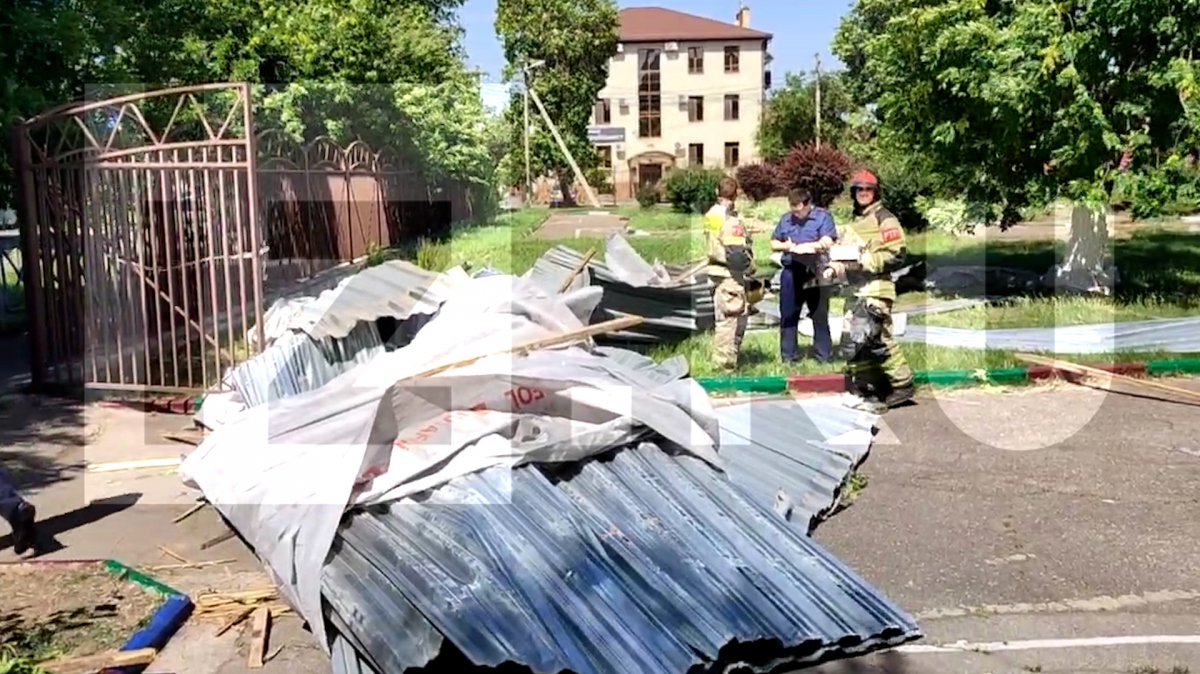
801,28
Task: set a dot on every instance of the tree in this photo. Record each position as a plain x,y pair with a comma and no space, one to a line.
575,39
1021,101
790,117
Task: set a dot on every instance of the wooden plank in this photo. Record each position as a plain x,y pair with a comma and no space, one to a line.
217,540
1175,393
577,270
95,663
234,620
258,637
191,511
535,344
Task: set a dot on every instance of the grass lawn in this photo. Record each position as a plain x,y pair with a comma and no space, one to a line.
1160,271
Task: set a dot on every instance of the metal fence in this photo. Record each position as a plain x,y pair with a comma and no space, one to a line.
149,262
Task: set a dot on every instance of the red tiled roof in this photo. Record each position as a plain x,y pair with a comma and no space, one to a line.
656,24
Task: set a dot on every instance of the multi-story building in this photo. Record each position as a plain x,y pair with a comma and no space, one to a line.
682,90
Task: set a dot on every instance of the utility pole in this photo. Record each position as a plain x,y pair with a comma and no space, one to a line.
566,151
818,101
528,178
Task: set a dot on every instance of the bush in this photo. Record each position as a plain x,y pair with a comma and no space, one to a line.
758,181
647,196
1171,188
952,216
692,189
822,171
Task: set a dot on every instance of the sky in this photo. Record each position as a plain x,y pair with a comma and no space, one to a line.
802,28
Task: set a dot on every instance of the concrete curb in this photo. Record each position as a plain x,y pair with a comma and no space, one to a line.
834,382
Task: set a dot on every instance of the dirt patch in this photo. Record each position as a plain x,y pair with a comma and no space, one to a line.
69,611
575,225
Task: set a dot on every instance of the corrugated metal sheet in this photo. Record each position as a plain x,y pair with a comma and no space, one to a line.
638,562
296,363
396,289
1173,335
794,455
671,313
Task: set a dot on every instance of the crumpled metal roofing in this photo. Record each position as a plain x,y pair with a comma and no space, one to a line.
671,313
1175,335
794,455
296,363
639,562
396,289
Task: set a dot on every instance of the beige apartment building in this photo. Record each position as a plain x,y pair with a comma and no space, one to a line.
682,90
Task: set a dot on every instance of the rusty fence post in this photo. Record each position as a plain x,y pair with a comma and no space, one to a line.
31,266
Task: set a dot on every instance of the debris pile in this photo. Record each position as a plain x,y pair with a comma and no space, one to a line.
674,302
519,495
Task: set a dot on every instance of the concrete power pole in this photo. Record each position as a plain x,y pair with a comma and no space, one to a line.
566,151
818,100
528,178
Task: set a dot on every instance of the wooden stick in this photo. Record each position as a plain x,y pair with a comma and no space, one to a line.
95,663
258,637
535,344
1091,372
578,270
218,539
190,565
191,511
176,556
690,271
133,465
178,437
234,620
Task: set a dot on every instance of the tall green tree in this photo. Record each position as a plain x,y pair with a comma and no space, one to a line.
1021,101
790,116
575,39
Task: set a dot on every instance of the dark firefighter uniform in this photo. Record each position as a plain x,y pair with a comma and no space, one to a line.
730,269
876,370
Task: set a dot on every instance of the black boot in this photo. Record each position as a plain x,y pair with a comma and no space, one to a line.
24,529
900,395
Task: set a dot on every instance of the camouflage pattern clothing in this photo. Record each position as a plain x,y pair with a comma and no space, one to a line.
875,367
731,264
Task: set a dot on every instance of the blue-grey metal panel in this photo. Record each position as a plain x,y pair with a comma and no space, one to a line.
636,562
782,451
669,313
297,363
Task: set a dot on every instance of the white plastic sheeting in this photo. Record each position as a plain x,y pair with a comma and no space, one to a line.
1174,335
284,473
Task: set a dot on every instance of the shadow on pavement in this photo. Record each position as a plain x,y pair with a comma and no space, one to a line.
39,437
50,529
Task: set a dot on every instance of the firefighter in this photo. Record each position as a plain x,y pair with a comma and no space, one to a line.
730,270
877,375
19,514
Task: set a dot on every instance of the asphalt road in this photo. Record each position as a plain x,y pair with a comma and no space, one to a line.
1043,514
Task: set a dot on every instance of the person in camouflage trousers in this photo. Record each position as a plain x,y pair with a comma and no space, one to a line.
730,268
877,375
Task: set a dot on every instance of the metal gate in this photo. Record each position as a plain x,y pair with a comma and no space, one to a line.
140,238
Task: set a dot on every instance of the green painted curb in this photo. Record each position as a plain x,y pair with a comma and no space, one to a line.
135,576
1006,375
744,384
1182,366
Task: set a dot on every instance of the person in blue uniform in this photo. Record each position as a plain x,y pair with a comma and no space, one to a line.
19,514
803,235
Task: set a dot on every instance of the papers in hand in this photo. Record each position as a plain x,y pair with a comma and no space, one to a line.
844,253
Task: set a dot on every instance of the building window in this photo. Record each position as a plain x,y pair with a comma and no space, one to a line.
733,107
603,111
696,154
695,108
649,94
605,156
731,155
696,60
733,59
